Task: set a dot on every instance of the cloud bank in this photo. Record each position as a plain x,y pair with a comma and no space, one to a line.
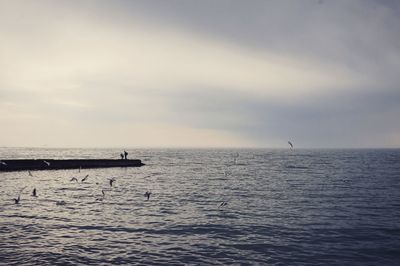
199,74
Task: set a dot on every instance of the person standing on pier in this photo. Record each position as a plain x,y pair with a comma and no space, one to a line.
122,156
126,155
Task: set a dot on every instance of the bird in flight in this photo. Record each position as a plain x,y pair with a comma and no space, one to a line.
17,200
224,203
19,196
147,194
74,179
3,163
291,145
47,163
112,180
102,196
84,179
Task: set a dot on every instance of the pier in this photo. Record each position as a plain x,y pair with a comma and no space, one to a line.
51,164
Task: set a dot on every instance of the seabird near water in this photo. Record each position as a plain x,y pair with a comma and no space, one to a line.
103,195
60,203
74,179
147,194
17,200
112,180
291,145
224,203
3,163
46,162
84,179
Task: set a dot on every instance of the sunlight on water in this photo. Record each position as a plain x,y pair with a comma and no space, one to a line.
302,207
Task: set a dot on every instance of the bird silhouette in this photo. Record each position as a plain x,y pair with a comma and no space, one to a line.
34,193
102,196
224,203
147,194
291,145
84,179
46,162
17,200
74,179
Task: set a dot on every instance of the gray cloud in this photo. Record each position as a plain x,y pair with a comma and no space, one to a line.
361,37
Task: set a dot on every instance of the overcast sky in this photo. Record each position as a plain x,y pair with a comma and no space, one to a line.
200,73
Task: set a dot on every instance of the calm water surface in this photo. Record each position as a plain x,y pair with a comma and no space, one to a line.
301,207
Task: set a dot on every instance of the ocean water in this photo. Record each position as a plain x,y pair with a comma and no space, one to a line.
301,207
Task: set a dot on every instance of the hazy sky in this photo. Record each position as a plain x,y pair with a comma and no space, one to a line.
200,73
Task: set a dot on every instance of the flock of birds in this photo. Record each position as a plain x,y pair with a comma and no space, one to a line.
147,194
111,181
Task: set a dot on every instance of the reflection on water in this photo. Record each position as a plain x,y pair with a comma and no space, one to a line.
302,207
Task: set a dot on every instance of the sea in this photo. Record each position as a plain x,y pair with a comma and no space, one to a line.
207,207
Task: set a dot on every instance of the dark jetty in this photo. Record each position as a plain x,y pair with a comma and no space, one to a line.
49,164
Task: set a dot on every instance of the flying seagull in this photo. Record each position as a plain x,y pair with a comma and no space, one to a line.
147,194
84,179
291,145
224,203
74,179
112,180
46,162
3,163
102,196
19,196
17,200
34,193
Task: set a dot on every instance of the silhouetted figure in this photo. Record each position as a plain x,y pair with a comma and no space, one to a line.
34,193
112,180
147,194
126,155
122,156
17,200
74,179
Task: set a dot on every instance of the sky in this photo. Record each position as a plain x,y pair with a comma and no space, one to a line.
226,73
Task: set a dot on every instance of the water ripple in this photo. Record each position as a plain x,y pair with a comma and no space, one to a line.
303,207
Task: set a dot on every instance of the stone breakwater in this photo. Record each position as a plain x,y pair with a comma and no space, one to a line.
51,164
